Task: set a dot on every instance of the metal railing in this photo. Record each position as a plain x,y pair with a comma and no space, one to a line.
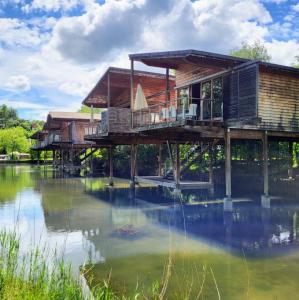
184,108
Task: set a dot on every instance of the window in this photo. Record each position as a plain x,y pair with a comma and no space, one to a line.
211,96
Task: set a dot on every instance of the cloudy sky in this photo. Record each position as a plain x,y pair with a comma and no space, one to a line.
53,51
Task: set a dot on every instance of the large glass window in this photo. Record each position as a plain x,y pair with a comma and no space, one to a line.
211,97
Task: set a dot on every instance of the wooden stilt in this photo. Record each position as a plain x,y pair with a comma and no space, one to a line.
53,158
228,169
133,164
265,164
160,161
290,168
177,175
110,166
211,171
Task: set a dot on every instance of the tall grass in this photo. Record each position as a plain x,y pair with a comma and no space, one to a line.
39,274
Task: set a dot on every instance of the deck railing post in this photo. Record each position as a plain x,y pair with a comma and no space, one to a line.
290,169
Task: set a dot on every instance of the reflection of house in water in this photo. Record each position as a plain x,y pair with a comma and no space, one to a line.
251,228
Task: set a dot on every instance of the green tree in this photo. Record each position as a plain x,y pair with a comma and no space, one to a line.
256,51
8,116
86,109
296,64
14,140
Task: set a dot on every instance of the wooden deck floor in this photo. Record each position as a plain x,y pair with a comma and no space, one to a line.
184,185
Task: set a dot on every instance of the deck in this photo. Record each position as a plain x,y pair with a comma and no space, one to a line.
183,185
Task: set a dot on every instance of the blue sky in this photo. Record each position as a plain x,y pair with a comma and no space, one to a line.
52,52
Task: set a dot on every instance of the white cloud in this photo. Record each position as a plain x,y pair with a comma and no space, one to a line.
23,104
296,7
283,52
18,83
64,56
51,5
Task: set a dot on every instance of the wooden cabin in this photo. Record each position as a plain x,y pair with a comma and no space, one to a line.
64,129
210,97
63,134
227,91
112,93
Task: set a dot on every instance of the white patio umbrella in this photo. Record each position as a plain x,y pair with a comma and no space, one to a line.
140,100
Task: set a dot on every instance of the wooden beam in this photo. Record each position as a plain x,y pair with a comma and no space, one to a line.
265,164
228,168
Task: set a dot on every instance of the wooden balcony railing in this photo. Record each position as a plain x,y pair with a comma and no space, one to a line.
179,109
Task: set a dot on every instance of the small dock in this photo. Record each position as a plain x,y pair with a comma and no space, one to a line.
183,185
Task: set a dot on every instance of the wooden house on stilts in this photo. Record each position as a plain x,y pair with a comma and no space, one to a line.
210,98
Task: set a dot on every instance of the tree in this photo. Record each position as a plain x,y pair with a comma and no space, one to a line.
255,51
86,109
14,140
8,116
296,64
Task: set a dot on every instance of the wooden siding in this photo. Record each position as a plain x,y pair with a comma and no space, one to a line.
240,94
278,105
188,73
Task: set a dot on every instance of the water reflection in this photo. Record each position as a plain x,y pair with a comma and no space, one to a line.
135,232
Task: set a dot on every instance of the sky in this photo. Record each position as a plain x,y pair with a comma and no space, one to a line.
52,52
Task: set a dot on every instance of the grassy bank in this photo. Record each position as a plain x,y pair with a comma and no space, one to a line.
40,274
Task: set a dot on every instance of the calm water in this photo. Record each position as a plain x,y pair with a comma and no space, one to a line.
249,253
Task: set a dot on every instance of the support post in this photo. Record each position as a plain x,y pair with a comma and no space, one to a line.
177,175
265,197
228,169
110,166
53,158
132,92
133,164
167,94
160,161
211,171
265,164
290,168
91,115
108,99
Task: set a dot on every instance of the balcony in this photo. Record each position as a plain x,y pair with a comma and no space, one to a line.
179,111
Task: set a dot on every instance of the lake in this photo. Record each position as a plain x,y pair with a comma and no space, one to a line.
147,237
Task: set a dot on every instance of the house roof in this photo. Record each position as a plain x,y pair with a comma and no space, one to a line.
120,86
71,116
173,59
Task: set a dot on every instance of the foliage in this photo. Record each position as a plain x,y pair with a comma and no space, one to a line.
296,64
14,132
252,51
86,109
39,274
14,139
